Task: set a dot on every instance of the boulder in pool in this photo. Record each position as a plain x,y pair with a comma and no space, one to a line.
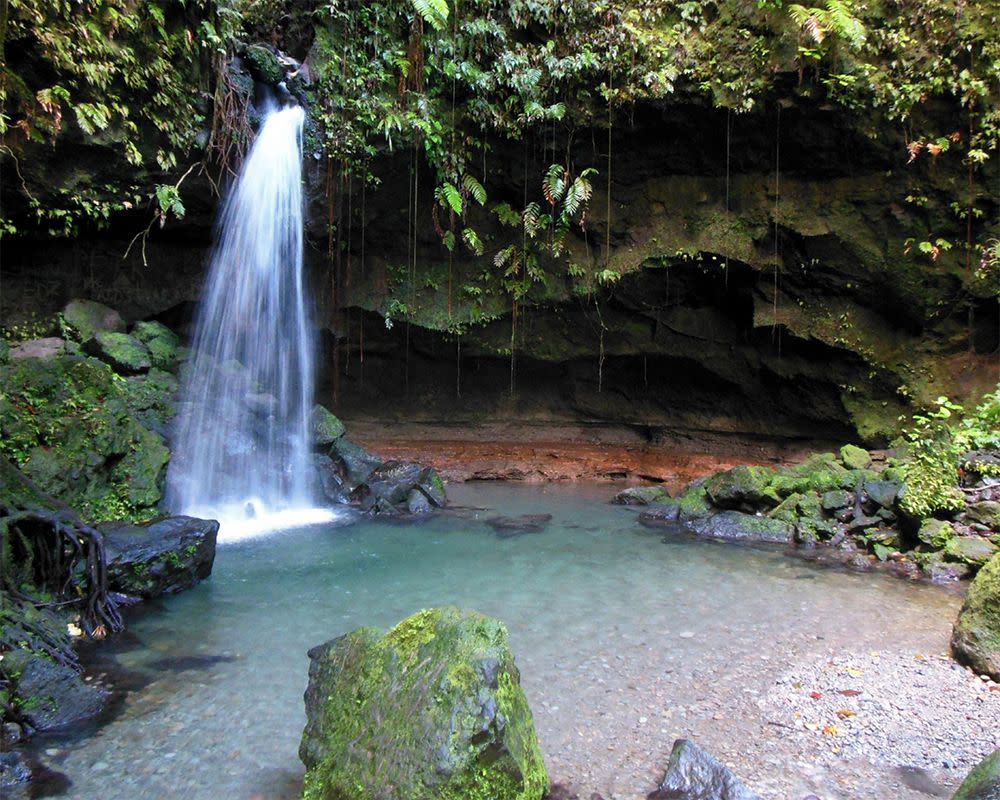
738,486
49,695
641,496
430,710
983,783
736,526
975,640
165,557
693,774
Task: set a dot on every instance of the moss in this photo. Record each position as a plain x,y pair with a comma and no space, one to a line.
983,782
976,637
124,353
263,64
855,457
432,709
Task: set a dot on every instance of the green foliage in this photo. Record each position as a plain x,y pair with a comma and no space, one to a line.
936,443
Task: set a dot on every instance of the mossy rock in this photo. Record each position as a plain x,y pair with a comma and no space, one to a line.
821,472
738,486
431,710
124,353
324,427
975,639
161,342
836,500
69,423
983,783
855,457
263,64
641,496
985,512
85,318
972,550
935,532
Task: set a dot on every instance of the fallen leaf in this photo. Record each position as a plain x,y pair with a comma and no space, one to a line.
849,692
830,730
815,695
846,713
854,672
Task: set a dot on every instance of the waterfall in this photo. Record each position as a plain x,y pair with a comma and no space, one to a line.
242,449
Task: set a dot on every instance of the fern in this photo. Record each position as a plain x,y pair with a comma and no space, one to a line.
433,12
532,218
450,197
507,215
474,188
579,193
502,258
845,24
554,183
472,241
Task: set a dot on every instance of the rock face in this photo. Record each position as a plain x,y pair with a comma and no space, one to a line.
983,783
51,695
975,639
693,774
166,557
430,710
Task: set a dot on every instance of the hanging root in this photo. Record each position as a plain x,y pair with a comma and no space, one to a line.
46,545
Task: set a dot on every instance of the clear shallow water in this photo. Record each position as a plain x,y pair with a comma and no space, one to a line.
624,642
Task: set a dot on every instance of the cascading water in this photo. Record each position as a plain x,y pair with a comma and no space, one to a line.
242,452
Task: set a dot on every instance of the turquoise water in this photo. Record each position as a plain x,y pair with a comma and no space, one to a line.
617,633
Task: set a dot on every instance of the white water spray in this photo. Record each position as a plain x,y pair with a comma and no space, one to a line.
242,453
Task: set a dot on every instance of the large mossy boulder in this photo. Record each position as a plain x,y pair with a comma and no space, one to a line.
983,783
975,639
735,526
168,556
124,353
85,318
430,710
161,342
73,427
738,486
324,427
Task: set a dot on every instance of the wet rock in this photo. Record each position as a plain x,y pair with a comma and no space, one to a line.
985,512
690,504
941,571
331,479
432,708
263,64
935,532
10,734
884,493
693,774
736,526
124,353
324,427
418,504
507,527
14,769
433,487
860,522
161,342
394,480
50,695
975,638
38,348
262,404
972,550
168,556
640,496
357,462
85,318
983,783
837,499
855,457
739,485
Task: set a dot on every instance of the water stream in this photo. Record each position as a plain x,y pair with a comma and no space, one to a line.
242,450
624,641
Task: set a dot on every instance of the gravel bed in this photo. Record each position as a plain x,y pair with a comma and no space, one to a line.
898,709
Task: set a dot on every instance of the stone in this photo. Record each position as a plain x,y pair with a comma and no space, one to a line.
357,462
935,532
938,570
324,427
38,348
432,486
418,504
737,526
860,522
837,499
855,457
393,480
983,783
975,639
50,695
122,352
263,64
884,493
14,769
985,512
161,341
738,486
972,550
507,527
432,708
693,774
641,496
86,318
10,734
164,557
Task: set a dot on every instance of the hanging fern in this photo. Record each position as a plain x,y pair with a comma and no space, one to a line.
433,12
554,183
450,197
474,188
472,241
